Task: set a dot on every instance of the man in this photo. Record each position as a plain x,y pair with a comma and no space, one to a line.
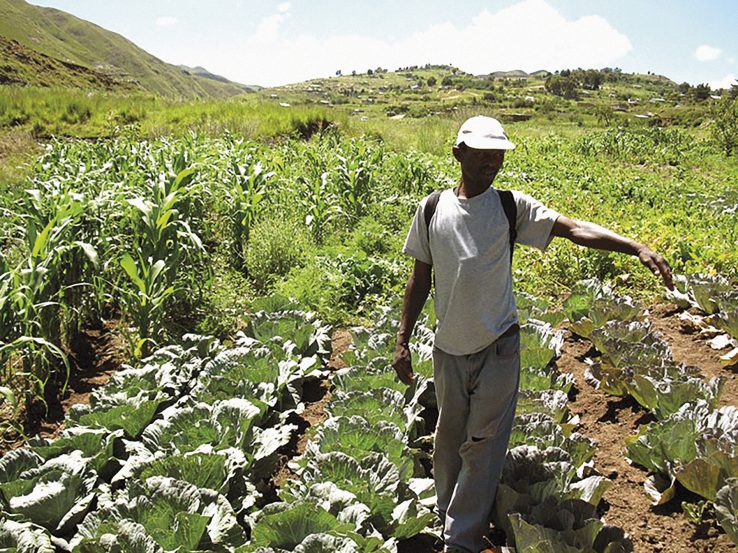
476,357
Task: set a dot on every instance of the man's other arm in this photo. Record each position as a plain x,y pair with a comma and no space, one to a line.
591,235
416,292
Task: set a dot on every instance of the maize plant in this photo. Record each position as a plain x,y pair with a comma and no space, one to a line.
246,192
163,242
355,178
38,311
318,204
145,303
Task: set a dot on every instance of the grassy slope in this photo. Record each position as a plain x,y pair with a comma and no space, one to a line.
398,107
27,67
404,110
68,38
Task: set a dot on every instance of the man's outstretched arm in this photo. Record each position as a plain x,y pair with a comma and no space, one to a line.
416,292
591,235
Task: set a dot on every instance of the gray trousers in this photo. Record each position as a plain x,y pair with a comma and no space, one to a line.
477,395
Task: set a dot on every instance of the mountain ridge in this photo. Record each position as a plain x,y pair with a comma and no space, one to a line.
70,39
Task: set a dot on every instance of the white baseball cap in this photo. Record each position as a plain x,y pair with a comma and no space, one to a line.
483,133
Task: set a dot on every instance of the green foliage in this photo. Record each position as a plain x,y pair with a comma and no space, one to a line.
226,299
724,128
246,191
564,86
163,241
275,247
372,238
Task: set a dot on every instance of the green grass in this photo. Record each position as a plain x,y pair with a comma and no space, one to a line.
18,151
393,107
76,113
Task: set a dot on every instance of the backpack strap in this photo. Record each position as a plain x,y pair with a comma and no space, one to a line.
511,212
430,206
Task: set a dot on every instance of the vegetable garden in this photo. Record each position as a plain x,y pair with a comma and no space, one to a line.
192,245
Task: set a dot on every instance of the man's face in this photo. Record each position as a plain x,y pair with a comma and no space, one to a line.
480,164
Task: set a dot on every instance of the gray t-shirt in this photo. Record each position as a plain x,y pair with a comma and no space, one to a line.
468,248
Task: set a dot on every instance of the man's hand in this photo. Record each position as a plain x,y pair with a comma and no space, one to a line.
591,235
656,264
403,364
416,291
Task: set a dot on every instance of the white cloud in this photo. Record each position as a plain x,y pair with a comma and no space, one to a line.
706,52
726,82
267,31
166,21
529,35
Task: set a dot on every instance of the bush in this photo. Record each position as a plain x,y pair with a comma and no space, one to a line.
564,86
345,288
276,245
227,298
725,123
366,281
370,236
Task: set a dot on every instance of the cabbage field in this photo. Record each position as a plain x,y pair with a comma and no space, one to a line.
221,267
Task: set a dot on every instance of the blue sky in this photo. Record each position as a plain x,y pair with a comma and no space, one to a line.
283,41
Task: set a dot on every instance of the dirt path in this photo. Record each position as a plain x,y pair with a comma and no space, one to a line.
688,347
316,395
609,420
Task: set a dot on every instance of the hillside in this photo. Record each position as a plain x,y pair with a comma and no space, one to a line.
26,67
205,74
67,38
608,95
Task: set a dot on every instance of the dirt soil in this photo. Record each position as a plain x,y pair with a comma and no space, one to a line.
315,396
609,420
94,356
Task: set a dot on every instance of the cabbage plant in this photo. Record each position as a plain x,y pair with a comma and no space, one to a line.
697,446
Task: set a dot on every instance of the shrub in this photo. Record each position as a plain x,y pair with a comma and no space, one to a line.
226,300
370,236
725,123
276,245
345,287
